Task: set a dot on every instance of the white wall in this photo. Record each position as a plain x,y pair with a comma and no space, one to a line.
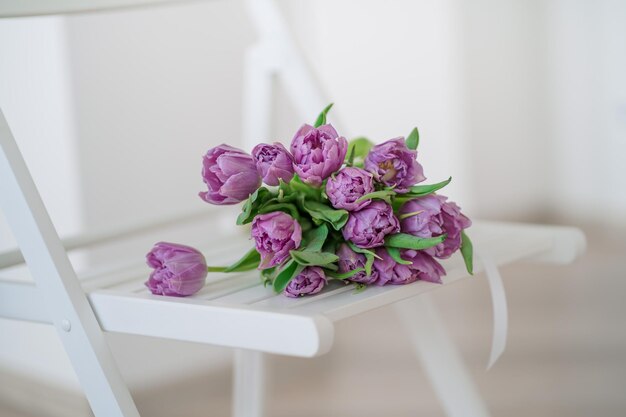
154,89
507,110
587,57
545,98
35,96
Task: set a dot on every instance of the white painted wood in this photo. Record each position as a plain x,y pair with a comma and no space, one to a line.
277,54
22,8
15,257
231,306
228,309
249,384
214,323
498,306
440,359
65,301
505,242
258,81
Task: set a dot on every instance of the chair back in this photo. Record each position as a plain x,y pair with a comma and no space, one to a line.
25,8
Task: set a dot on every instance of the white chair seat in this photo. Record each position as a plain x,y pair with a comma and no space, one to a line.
236,310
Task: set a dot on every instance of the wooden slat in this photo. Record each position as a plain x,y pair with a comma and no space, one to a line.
262,320
23,8
195,320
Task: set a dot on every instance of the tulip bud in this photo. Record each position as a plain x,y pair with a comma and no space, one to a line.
308,282
273,162
394,165
179,270
368,227
275,234
230,175
435,217
317,153
347,186
350,260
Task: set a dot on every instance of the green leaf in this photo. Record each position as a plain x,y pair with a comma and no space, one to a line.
381,195
422,190
286,274
321,119
364,251
321,212
288,208
359,287
247,262
251,206
309,191
332,267
305,224
267,276
411,214
283,186
330,245
407,241
413,140
216,268
417,191
395,255
369,263
350,156
310,258
358,148
295,189
316,237
369,256
246,213
285,194
345,275
467,250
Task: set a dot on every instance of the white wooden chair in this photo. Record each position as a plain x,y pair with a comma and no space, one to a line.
235,310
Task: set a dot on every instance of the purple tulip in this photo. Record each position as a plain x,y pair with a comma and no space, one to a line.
423,267
308,282
350,260
435,216
275,234
347,186
273,162
317,153
394,165
368,227
178,270
383,266
230,174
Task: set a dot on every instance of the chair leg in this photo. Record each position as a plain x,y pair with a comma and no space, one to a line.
440,358
249,384
63,297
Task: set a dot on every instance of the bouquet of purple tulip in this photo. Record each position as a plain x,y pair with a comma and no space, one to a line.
330,210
